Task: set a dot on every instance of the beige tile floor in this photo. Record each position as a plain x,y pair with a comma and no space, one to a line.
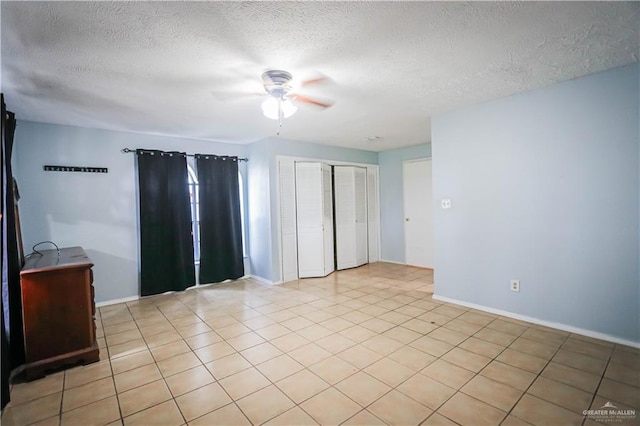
366,346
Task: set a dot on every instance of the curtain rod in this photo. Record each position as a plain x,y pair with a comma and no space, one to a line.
127,150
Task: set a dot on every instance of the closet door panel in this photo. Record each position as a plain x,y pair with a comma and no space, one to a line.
314,219
289,238
351,216
372,215
311,254
327,219
360,202
345,217
309,220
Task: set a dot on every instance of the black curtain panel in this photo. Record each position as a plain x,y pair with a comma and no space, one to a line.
12,336
166,243
220,220
4,343
6,367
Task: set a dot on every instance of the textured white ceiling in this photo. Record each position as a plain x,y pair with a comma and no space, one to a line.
174,68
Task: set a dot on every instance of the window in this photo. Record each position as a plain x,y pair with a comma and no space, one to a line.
194,200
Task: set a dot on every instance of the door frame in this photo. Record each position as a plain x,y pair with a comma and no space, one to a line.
280,158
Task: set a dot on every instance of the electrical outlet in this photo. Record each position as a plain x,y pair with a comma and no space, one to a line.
515,285
445,203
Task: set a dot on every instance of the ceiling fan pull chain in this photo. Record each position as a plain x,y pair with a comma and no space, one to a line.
279,117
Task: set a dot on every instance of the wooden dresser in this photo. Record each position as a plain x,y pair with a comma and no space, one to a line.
58,310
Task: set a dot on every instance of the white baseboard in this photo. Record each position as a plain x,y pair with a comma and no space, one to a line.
263,280
392,261
405,264
551,324
116,301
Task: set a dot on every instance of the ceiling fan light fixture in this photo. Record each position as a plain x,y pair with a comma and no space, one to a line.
272,106
288,108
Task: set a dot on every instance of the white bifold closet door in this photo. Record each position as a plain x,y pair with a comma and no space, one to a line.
289,237
314,218
351,216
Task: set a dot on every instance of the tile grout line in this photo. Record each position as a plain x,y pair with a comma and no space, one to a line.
305,368
330,385
320,293
122,417
405,344
536,378
164,378
595,392
475,374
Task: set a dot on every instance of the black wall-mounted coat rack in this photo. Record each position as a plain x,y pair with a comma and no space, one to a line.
82,169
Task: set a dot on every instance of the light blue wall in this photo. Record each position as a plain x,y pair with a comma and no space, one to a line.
96,211
545,189
391,199
259,210
310,150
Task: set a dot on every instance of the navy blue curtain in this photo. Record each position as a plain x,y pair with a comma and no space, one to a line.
6,367
166,241
12,334
221,256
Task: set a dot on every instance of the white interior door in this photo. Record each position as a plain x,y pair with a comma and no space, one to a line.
351,216
327,220
418,213
360,196
299,251
345,218
309,217
288,234
314,219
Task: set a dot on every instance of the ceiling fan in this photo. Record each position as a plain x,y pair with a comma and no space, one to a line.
278,85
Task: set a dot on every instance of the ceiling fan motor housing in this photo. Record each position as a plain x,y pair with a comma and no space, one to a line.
276,82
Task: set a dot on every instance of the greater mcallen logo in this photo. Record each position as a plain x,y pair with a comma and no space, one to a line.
610,413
